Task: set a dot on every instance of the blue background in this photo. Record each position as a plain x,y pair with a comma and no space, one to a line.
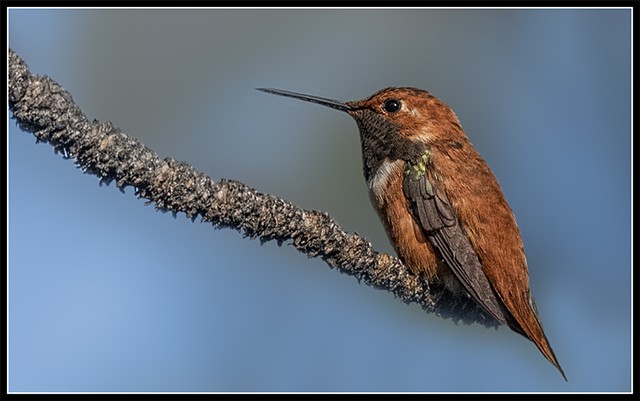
107,294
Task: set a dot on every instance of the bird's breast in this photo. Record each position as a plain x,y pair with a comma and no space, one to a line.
380,181
405,234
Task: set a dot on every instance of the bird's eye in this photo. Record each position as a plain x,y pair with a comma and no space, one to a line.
392,105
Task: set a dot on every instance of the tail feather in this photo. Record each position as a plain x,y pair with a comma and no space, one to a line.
535,333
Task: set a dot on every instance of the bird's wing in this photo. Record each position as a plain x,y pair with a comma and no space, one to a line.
432,210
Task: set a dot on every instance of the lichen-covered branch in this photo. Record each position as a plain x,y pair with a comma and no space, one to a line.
42,107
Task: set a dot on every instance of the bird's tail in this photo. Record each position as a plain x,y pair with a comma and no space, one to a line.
532,329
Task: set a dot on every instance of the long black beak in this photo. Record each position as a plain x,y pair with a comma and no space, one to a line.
334,104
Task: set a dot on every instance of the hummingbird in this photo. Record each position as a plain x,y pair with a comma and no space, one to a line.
441,205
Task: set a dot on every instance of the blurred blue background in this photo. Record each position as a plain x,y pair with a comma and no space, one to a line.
106,294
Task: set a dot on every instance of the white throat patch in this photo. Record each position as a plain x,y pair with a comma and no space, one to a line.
378,182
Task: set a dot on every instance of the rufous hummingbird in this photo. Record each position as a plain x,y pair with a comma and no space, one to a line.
441,206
